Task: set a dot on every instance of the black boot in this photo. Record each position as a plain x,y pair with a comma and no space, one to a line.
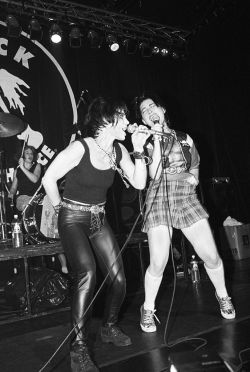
113,334
80,359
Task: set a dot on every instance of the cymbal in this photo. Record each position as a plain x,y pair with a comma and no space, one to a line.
10,125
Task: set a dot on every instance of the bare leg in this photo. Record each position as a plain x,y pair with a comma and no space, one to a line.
201,237
159,242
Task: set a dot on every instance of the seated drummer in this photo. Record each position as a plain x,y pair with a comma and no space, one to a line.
26,180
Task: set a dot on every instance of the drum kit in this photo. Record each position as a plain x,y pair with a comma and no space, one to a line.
38,216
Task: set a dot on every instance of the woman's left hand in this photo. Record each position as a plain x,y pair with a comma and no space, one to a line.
139,137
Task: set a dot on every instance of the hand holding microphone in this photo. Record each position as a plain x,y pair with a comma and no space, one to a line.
139,135
131,128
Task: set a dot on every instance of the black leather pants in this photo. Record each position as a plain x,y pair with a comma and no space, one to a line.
74,229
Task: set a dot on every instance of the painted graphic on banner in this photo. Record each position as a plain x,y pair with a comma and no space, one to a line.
33,87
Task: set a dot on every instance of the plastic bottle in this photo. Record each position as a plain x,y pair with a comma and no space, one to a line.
16,231
194,270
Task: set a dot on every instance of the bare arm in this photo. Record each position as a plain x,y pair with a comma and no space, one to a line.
63,163
32,176
13,188
136,172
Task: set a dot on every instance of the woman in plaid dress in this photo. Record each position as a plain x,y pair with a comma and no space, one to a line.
172,203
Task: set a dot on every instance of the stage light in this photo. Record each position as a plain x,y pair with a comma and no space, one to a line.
55,33
130,45
95,39
164,52
75,37
146,50
112,42
35,29
13,27
155,50
175,55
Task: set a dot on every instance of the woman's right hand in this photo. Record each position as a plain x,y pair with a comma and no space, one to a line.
21,162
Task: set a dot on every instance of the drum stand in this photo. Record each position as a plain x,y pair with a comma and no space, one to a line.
3,224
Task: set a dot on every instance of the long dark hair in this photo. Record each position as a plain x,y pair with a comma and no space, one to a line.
100,111
34,152
155,98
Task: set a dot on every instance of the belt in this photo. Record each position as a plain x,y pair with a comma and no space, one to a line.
93,208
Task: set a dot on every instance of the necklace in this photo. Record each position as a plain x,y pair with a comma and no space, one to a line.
112,157
113,163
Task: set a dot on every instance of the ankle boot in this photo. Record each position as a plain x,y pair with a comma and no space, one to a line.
81,360
113,334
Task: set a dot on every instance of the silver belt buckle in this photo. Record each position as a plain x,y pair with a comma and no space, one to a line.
95,209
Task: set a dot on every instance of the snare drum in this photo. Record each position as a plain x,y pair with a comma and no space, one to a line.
39,218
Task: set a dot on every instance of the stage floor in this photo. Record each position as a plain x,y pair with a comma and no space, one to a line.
194,321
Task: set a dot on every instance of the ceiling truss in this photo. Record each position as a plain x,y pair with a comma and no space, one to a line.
121,25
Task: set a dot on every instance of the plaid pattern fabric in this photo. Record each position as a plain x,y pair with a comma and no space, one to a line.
174,203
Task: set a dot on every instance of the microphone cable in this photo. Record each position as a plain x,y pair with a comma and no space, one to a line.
183,339
66,338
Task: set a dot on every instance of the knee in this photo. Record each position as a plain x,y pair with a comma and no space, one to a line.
85,280
157,267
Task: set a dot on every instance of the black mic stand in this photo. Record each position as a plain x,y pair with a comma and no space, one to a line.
82,98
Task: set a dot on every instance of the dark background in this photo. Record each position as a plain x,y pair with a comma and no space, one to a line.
206,94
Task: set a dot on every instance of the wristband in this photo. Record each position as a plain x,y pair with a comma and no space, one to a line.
139,155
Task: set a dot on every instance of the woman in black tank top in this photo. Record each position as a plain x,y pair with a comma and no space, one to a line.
89,166
26,178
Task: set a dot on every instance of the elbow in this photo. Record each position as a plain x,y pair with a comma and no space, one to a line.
141,186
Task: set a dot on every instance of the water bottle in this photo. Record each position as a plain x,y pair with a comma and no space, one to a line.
16,231
194,270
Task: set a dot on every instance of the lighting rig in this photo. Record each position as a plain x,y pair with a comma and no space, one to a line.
96,25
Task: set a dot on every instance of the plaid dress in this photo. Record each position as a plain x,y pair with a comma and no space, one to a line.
173,203
172,200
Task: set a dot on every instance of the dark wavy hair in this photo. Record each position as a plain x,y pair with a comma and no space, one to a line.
155,98
34,152
99,111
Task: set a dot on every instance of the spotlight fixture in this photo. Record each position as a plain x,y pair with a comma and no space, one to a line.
35,29
155,49
164,52
95,39
175,55
130,45
55,33
146,50
112,42
13,27
75,37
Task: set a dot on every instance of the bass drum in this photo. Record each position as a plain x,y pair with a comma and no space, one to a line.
40,220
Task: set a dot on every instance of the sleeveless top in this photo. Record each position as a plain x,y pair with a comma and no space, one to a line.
25,186
87,184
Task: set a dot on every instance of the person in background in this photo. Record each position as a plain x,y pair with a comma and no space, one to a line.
26,180
89,166
172,202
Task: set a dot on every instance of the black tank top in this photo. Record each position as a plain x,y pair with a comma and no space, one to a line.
87,184
25,186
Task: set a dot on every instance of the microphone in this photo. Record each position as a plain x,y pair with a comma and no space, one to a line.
131,128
